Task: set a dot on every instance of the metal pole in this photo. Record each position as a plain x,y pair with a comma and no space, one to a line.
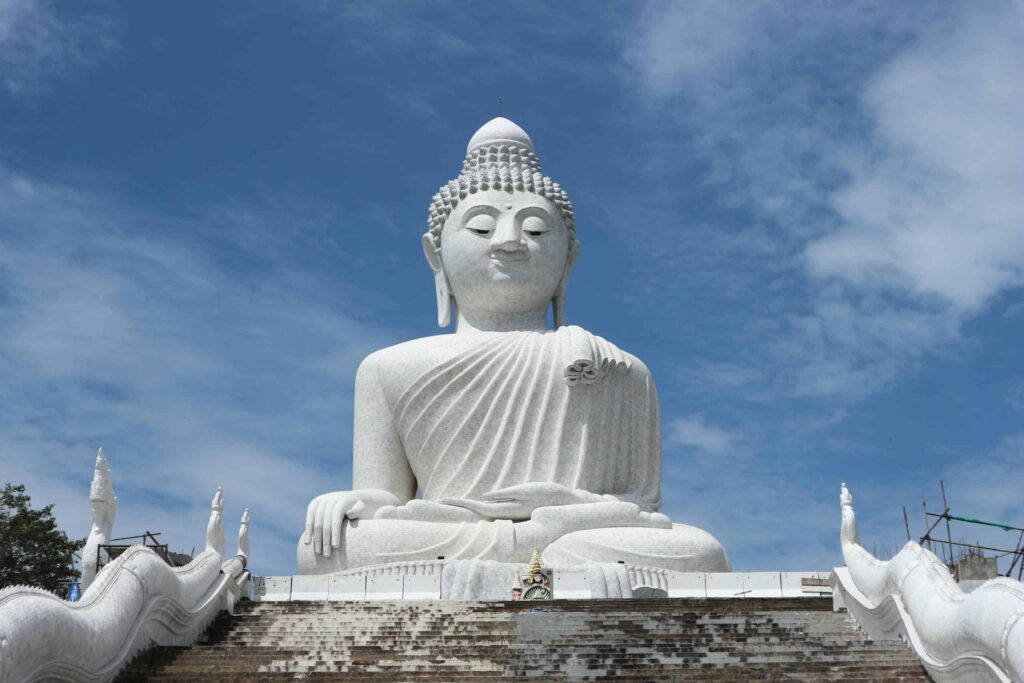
932,527
945,505
924,506
981,547
1018,554
906,522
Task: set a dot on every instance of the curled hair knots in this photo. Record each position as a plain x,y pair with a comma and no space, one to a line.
506,167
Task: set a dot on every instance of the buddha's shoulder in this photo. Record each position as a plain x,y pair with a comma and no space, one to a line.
637,368
409,358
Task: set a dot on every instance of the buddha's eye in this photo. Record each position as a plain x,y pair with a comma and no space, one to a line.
481,224
534,226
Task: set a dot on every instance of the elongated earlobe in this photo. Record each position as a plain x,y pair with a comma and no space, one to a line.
558,307
558,302
444,300
441,287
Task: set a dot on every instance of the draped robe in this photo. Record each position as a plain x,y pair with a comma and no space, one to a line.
561,406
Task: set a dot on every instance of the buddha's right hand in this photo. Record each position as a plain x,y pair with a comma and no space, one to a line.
326,515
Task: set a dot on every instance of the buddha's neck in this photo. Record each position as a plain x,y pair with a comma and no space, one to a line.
470,322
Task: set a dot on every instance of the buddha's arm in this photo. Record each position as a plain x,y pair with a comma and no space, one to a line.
378,458
381,473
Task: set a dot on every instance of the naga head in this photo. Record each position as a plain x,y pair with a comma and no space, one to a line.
102,500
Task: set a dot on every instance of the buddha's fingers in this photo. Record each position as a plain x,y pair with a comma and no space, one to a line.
307,533
337,521
328,507
318,527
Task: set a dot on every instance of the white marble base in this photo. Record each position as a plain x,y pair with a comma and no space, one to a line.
488,580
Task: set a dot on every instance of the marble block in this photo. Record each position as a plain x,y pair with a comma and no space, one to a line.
384,588
571,585
309,588
346,588
276,589
762,585
687,585
723,585
421,587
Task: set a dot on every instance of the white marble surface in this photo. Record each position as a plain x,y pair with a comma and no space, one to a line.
103,504
960,637
136,601
489,580
514,435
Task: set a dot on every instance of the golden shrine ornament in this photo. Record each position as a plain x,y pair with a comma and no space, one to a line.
536,583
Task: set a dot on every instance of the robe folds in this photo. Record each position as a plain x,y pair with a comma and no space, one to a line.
561,406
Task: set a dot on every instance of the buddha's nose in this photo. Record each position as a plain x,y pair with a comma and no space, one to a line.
508,237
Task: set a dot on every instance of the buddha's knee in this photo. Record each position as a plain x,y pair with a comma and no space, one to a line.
682,548
310,562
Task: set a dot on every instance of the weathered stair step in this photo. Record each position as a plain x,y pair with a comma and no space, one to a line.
648,640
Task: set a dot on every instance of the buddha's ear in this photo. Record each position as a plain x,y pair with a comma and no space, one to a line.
441,288
570,261
558,302
432,252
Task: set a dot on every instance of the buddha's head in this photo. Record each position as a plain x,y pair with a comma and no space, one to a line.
502,235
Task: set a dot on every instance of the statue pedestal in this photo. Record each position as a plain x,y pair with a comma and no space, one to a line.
488,580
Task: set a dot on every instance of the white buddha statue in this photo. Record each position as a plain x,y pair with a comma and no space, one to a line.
515,436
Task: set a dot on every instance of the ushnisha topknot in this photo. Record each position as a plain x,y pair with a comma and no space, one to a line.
499,157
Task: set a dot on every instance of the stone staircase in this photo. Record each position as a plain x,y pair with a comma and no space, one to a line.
641,640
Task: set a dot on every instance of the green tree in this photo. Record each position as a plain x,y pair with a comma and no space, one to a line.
33,551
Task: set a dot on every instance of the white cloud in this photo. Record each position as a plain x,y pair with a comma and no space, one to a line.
135,332
695,431
938,210
875,148
686,40
1015,395
37,45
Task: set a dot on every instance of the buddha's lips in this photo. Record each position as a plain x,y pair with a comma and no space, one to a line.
510,258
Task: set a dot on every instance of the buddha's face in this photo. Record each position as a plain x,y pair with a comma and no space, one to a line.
504,252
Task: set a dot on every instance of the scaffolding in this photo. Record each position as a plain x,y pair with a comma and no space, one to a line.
953,552
113,550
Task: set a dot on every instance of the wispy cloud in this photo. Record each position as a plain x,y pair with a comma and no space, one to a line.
876,194
1015,396
933,208
37,46
694,431
134,331
851,205
679,43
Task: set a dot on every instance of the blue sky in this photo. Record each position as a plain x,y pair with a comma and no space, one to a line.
804,217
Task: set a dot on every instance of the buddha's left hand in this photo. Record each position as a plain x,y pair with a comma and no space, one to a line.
518,502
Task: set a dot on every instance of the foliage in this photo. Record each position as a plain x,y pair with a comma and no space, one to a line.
33,551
